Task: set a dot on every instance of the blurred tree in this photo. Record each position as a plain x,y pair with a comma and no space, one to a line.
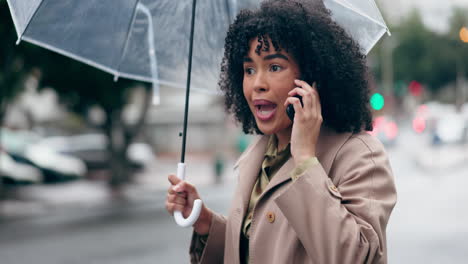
12,68
412,53
79,87
422,55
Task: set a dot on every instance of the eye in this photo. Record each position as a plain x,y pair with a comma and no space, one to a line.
249,71
275,68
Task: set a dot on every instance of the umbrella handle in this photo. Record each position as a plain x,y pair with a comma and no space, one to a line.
197,204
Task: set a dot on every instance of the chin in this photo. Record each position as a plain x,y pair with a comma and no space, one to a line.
269,130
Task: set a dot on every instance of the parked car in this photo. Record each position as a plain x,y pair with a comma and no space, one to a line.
92,150
12,172
451,129
448,126
25,147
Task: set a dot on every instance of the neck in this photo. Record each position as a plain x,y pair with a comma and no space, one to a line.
284,137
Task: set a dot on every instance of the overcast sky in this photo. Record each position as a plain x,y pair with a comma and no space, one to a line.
435,12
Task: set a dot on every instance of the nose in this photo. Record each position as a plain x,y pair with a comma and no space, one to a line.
260,83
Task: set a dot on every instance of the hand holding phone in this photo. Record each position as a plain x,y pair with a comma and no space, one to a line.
306,128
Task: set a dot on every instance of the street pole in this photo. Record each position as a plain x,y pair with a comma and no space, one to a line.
387,66
460,92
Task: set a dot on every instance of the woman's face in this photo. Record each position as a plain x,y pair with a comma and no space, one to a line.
268,78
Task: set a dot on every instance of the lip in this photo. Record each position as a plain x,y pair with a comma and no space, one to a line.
262,115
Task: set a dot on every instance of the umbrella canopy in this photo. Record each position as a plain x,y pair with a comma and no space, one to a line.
148,40
144,40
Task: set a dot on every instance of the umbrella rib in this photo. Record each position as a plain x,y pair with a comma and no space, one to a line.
130,26
362,14
376,40
71,55
29,22
13,17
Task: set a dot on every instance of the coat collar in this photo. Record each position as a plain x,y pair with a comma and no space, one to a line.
249,163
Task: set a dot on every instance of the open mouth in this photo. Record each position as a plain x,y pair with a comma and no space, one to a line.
264,109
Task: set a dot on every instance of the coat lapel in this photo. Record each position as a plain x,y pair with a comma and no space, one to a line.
249,166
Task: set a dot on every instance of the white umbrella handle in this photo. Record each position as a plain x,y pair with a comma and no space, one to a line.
197,204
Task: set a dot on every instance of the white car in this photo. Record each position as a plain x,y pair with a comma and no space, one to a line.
92,149
16,172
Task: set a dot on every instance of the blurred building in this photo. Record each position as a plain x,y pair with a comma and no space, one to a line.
210,129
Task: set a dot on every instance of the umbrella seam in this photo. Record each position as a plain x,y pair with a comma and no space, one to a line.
130,26
360,13
29,22
375,41
13,17
71,55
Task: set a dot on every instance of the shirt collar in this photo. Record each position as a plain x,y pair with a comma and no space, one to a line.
272,148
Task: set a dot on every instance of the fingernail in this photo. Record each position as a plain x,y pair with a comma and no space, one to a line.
176,188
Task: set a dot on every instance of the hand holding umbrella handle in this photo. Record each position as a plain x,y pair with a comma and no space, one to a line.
197,204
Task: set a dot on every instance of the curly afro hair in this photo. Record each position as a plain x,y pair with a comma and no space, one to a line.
324,52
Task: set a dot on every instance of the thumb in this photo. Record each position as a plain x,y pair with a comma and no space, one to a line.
174,180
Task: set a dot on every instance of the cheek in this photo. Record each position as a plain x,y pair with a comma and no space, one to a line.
246,89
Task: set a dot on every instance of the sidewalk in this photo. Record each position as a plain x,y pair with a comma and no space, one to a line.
87,196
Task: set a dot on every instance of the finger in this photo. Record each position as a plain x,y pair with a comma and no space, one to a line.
173,179
172,191
307,100
310,97
180,194
174,198
184,186
303,84
296,103
317,103
297,91
171,207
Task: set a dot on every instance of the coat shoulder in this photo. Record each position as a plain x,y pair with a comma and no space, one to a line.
365,142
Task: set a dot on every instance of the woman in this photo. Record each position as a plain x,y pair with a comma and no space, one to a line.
317,189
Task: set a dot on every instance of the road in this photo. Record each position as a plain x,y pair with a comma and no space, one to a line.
427,226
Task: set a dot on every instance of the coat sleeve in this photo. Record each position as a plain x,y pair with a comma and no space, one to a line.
344,223
212,251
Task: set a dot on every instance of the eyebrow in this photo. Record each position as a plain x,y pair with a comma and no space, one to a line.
269,57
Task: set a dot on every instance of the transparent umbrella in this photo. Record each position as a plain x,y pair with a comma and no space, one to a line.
361,19
154,41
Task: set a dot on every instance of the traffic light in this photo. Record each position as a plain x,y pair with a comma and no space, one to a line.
415,88
377,101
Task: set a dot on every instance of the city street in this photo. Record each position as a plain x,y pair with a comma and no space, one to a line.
427,226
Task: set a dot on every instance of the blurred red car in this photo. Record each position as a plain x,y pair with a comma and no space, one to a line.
385,129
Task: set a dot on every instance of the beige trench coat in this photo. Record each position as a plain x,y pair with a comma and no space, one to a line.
336,212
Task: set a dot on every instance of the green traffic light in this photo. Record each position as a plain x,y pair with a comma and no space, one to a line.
377,101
